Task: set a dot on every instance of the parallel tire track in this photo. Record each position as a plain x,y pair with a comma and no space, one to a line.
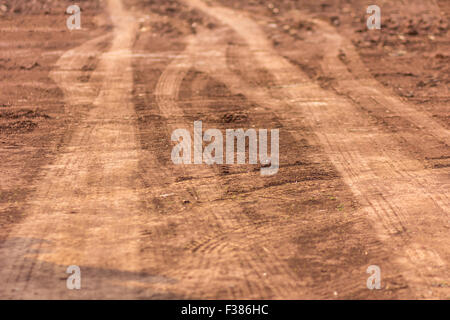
85,210
205,266
393,196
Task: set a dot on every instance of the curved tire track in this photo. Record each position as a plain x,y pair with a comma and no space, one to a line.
85,211
411,217
205,266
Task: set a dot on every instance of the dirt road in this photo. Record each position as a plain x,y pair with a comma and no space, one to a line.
349,193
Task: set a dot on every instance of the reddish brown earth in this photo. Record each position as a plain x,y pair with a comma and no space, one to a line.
86,118
34,121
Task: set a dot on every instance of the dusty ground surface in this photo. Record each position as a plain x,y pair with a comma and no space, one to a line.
86,118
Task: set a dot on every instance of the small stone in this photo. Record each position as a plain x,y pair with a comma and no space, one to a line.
335,20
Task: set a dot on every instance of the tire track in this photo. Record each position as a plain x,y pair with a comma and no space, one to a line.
253,255
68,70
361,152
205,266
86,211
362,87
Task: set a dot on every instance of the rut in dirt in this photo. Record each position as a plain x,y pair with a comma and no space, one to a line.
394,189
86,210
215,231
